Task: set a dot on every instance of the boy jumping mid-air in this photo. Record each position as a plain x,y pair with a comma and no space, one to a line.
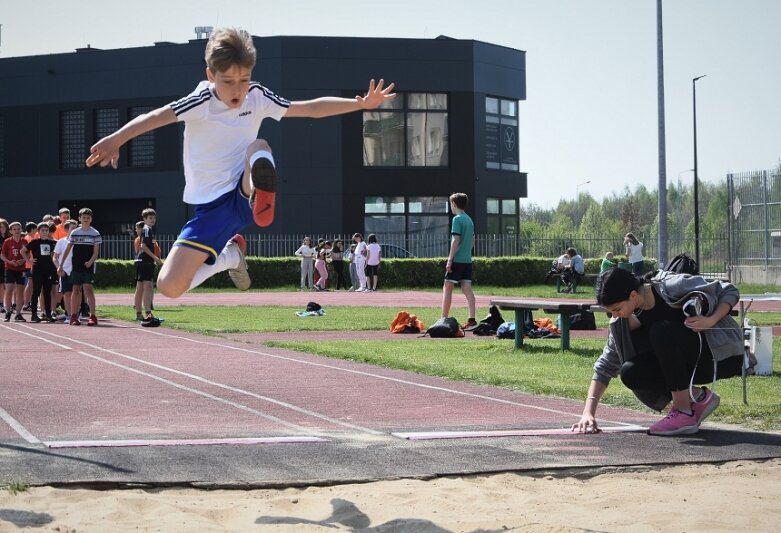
230,175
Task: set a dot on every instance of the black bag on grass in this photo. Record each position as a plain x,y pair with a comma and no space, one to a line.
490,323
445,328
584,320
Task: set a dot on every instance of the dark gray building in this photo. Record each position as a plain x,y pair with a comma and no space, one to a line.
453,127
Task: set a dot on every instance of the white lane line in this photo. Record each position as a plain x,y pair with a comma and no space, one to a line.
19,331
198,392
19,428
177,442
4,415
223,386
434,435
373,375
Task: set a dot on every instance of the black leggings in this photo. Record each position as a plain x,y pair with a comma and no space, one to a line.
338,267
665,359
42,282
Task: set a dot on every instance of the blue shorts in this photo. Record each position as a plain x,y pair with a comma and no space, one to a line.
213,224
460,273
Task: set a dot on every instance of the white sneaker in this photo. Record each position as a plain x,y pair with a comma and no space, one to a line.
239,275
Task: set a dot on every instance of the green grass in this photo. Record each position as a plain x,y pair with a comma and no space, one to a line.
540,368
16,487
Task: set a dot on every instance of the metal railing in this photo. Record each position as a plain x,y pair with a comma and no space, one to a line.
714,250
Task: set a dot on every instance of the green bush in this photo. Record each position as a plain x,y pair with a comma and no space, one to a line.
268,272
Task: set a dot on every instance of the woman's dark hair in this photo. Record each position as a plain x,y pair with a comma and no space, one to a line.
615,285
372,238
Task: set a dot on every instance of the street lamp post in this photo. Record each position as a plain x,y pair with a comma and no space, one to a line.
696,187
577,197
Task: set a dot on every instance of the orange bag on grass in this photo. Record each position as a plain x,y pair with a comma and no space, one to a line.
406,323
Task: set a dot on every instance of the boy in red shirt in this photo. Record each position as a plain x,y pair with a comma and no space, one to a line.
14,271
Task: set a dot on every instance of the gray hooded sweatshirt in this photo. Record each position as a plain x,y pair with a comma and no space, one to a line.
724,340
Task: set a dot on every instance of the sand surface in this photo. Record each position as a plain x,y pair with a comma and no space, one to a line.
735,496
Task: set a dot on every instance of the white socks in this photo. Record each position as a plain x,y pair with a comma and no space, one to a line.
227,259
257,155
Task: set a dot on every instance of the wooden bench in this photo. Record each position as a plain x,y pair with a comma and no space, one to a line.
564,309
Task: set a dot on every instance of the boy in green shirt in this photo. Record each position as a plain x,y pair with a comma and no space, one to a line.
459,260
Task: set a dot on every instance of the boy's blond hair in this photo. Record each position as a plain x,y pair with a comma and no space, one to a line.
228,47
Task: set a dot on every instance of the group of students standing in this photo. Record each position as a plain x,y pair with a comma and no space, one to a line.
363,261
54,258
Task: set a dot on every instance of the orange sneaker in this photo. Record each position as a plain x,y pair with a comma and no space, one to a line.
264,192
240,275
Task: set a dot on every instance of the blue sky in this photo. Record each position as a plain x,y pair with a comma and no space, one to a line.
591,108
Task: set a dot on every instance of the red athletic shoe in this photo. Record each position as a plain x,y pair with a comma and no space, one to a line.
93,321
74,321
264,193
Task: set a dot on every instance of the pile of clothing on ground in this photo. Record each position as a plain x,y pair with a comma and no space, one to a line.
494,324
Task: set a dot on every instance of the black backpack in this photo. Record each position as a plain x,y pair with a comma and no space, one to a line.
445,328
490,323
682,264
584,320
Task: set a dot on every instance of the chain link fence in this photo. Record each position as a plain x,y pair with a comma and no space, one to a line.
755,225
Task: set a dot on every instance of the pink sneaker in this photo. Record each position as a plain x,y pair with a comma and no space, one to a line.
705,406
675,423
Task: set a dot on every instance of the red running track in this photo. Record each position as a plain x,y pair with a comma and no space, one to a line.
119,382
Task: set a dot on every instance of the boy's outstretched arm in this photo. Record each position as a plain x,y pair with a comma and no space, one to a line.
331,105
106,150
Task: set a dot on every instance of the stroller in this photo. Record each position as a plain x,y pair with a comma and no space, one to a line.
553,273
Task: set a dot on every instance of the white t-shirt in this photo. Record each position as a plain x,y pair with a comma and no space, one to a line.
359,249
216,137
374,254
305,252
635,252
59,249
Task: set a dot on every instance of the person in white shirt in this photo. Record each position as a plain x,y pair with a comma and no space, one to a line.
65,286
634,253
307,254
373,257
230,174
359,260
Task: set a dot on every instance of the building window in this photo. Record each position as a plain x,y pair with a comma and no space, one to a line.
501,134
141,150
416,223
73,149
501,216
106,122
409,131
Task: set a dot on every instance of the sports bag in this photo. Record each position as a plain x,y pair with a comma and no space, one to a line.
682,264
445,328
584,320
406,322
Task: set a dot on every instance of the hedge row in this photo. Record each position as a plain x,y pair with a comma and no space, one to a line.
419,272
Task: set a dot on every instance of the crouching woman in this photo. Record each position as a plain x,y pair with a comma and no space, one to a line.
667,335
